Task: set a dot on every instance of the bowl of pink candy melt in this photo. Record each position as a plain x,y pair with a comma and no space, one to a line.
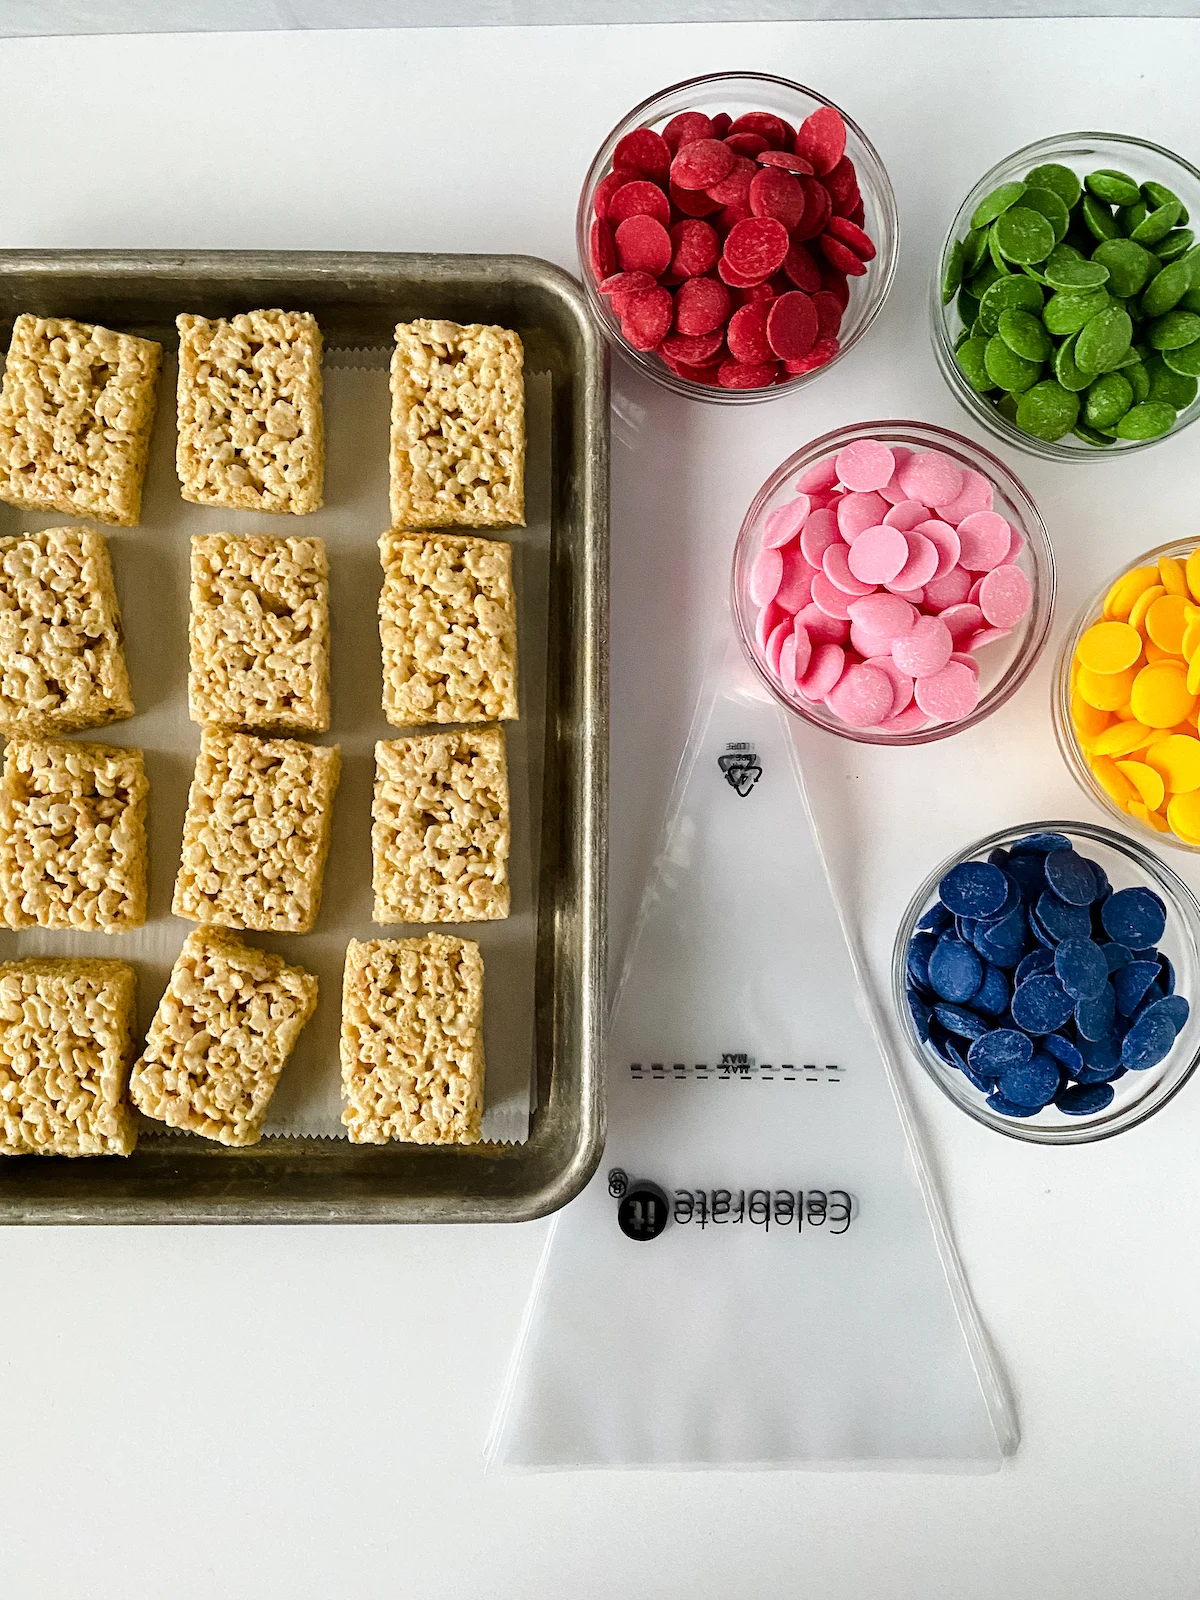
893,583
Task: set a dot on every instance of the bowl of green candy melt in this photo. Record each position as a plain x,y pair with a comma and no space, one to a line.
1066,304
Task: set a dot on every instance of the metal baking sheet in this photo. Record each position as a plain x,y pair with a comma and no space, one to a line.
357,300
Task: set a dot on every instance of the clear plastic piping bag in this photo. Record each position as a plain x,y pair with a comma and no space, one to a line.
760,1273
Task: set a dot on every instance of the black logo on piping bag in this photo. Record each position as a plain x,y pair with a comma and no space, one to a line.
741,768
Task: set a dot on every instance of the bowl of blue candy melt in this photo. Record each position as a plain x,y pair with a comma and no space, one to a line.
1047,977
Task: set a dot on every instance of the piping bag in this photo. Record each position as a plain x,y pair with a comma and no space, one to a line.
760,1272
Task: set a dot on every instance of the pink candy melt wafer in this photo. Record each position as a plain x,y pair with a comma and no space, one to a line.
945,539
862,696
821,475
804,649
865,464
906,515
963,621
922,563
775,644
856,512
931,477
925,648
824,670
984,538
1005,596
902,684
836,565
820,531
950,589
765,576
795,587
767,621
911,720
948,695
878,554
787,665
975,495
987,636
785,522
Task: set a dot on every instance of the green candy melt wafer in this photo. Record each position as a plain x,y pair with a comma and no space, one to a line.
972,363
995,203
1047,410
1053,175
1025,333
1128,265
1065,368
1107,400
1150,420
1104,339
1184,362
1007,369
1070,310
1051,206
1173,331
1113,187
1023,236
953,276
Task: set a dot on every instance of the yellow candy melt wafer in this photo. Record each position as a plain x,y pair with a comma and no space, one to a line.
1107,691
1146,781
1183,814
1109,647
1172,575
1192,570
1088,720
1120,598
1160,696
1121,739
1137,616
1165,623
1176,759
1112,780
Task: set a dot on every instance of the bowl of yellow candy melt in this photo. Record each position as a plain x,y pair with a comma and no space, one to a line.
1128,695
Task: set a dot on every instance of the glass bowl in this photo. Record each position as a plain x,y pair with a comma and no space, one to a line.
1005,665
736,93
1138,1095
1064,726
1083,153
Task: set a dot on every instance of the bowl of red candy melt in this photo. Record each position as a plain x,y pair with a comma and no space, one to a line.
737,234
893,583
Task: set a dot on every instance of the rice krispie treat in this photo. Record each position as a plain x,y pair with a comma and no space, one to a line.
259,633
62,668
221,1036
440,828
66,1040
412,1040
72,836
448,628
251,432
256,832
458,426
76,411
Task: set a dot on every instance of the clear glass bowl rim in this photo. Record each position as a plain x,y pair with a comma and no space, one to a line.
1060,705
943,343
929,435
1180,901
882,272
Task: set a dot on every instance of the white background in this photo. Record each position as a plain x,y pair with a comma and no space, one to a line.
300,1412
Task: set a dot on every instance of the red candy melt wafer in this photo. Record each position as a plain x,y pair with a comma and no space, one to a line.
695,248
701,305
639,198
841,256
818,208
734,187
701,164
784,159
602,250
643,245
645,152
765,123
852,236
821,139
800,267
747,333
756,248
646,318
791,325
779,195
697,350
745,375
688,125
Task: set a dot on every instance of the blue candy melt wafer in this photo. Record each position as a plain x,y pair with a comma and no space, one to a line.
1080,965
1062,920
1041,1004
1173,1006
1148,1042
1064,1052
984,1084
1071,877
1137,917
958,1021
1035,961
936,920
1168,974
1004,941
999,1051
1041,844
1117,955
994,993
1084,1099
1095,1016
974,889
1009,1108
1028,873
955,970
1034,1082
1130,983
920,947
920,1013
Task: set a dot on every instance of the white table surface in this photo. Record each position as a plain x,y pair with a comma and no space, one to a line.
300,1412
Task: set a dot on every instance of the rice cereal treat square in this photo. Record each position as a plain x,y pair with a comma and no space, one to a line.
448,629
256,832
440,828
412,1040
458,426
251,429
66,1041
220,1038
72,836
76,410
259,633
62,668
